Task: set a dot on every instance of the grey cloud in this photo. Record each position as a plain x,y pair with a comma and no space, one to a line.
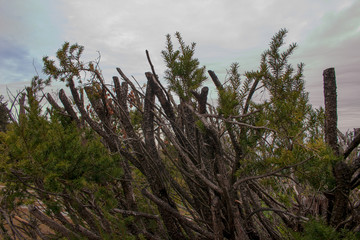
223,30
335,43
16,63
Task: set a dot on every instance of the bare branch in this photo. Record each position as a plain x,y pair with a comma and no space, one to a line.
136,214
216,80
242,180
277,210
52,224
68,107
178,216
354,143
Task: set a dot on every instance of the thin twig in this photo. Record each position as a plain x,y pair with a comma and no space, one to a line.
242,180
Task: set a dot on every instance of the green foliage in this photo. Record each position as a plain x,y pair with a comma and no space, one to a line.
69,63
237,88
288,100
318,170
136,118
315,124
234,76
228,102
284,108
46,158
317,230
183,72
228,97
4,115
50,151
200,125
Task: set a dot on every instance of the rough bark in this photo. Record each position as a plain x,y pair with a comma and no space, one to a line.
354,143
331,118
155,168
52,224
341,170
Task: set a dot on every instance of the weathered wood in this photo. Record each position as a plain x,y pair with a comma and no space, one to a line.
341,170
331,118
342,174
164,205
52,224
202,99
355,142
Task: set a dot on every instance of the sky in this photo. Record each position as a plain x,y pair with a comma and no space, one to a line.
327,33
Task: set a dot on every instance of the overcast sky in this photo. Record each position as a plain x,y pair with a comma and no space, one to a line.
226,31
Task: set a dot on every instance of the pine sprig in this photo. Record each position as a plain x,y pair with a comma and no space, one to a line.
183,72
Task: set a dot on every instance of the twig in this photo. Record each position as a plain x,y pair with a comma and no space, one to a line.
134,213
175,213
275,210
242,180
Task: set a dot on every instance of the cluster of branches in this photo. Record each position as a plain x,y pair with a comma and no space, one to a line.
244,169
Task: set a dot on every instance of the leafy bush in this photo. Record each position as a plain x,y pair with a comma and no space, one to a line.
318,230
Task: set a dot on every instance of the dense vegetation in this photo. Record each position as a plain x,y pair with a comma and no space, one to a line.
124,161
4,116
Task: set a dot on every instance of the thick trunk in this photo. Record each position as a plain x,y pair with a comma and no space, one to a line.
342,176
341,170
330,98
